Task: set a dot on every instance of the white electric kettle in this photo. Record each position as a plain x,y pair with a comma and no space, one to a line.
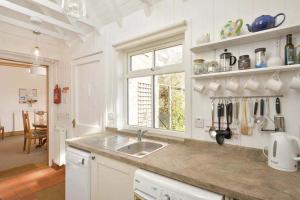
283,152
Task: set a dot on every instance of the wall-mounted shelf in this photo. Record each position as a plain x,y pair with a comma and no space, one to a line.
249,72
246,39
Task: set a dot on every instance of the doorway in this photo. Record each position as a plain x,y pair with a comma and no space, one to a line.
24,114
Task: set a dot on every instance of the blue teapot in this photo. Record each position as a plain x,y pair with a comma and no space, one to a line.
265,22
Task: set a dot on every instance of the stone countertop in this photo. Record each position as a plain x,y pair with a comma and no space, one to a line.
236,172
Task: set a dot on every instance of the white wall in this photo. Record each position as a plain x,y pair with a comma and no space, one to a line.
13,78
203,16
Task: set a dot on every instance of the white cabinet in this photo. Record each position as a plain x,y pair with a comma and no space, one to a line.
111,179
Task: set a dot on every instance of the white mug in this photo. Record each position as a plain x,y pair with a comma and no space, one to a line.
274,83
199,88
251,84
232,85
295,83
214,86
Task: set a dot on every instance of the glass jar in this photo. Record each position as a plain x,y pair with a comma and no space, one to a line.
244,62
212,67
199,66
260,58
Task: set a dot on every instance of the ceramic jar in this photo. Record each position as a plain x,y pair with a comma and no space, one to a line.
244,62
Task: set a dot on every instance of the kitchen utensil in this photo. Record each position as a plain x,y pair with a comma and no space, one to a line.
262,119
227,60
220,134
244,62
278,119
231,28
236,111
278,106
265,22
268,117
295,83
274,83
283,151
229,108
219,137
212,129
279,123
244,121
214,86
251,84
256,120
260,58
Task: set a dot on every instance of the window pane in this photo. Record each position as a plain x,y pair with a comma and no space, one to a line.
140,101
170,102
168,56
142,61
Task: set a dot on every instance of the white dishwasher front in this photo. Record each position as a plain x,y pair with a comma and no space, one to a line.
78,174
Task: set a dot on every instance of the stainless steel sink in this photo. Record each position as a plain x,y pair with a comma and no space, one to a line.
109,142
141,149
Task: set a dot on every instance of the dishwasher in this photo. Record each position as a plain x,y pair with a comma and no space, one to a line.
150,186
78,174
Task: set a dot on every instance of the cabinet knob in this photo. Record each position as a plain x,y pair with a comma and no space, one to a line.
93,157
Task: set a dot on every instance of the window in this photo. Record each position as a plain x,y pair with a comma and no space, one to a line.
155,97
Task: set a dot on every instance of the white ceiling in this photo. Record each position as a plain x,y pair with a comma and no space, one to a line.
56,24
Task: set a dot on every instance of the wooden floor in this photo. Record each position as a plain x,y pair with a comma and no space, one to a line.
12,155
38,183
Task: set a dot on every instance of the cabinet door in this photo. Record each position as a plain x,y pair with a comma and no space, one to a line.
112,179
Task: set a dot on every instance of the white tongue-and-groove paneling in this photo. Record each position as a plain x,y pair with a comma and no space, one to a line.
203,16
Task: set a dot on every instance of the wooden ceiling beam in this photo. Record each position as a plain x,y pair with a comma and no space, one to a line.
31,13
32,27
115,11
58,8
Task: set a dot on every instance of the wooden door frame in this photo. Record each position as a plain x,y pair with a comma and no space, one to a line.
15,59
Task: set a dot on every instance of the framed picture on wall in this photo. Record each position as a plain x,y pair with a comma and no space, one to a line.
26,95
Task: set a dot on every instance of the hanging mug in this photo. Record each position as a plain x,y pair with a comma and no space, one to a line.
251,84
295,83
214,86
274,83
199,88
232,85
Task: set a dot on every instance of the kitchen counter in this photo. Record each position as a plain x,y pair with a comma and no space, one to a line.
236,172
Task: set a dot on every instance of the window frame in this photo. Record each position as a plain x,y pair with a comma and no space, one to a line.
168,69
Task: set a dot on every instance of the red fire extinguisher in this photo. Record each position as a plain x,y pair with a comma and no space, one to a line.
57,95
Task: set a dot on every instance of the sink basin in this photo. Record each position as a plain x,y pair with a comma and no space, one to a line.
110,142
141,149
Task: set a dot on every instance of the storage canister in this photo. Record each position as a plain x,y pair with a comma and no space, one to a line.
199,66
244,62
260,58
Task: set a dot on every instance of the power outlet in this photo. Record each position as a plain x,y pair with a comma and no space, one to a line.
110,116
199,123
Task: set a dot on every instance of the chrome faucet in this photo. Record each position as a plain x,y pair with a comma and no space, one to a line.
140,134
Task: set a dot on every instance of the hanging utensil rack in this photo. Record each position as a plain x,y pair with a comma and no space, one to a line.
246,97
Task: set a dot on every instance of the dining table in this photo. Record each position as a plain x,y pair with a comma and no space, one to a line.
41,126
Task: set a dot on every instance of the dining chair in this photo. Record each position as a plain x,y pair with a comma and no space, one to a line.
2,131
29,134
